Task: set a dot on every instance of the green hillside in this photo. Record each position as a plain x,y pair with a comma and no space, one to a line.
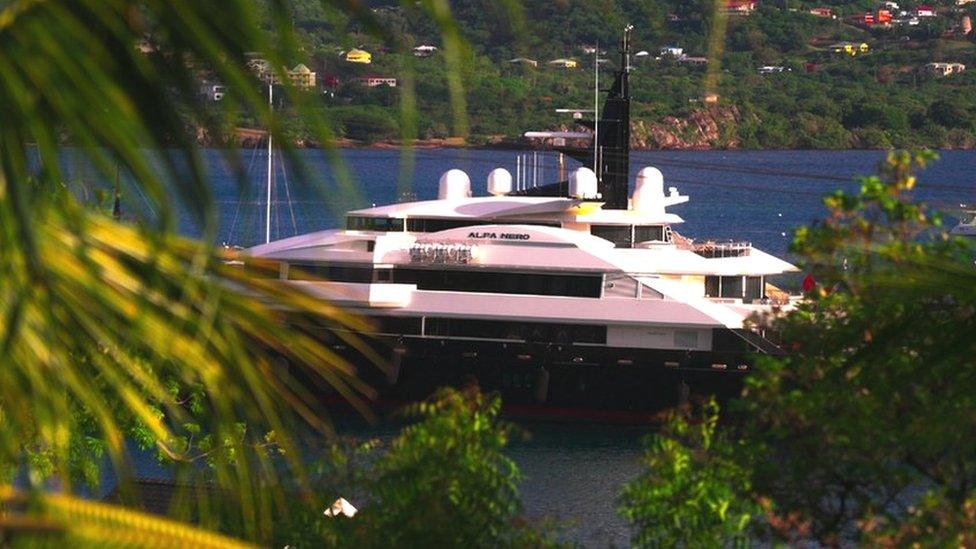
821,99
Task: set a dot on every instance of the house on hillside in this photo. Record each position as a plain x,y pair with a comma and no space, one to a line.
146,46
850,48
261,68
356,55
923,11
330,81
563,63
523,61
740,7
861,19
671,51
942,70
375,81
692,61
302,77
882,18
424,50
823,12
213,92
772,69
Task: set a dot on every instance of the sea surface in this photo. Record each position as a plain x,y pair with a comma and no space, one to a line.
573,473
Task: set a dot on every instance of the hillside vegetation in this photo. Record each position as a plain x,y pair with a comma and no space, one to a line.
822,99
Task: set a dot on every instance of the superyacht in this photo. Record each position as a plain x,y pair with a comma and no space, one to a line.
576,297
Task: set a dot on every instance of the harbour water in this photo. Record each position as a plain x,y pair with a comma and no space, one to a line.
572,473
759,196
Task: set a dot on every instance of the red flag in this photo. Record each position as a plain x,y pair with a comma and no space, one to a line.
809,283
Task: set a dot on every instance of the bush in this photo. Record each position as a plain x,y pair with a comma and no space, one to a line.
691,493
444,482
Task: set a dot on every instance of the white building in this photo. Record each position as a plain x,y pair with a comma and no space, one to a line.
672,51
424,50
943,69
374,81
213,92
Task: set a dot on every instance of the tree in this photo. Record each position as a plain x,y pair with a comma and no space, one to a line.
875,402
691,493
863,433
444,481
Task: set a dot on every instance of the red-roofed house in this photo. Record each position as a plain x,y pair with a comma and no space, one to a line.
330,81
823,12
924,11
740,7
862,19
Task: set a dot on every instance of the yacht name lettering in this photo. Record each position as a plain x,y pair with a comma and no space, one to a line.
500,236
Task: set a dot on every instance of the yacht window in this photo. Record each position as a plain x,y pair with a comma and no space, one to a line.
754,287
500,282
384,224
396,324
620,235
732,286
712,286
725,286
647,233
563,334
332,273
428,225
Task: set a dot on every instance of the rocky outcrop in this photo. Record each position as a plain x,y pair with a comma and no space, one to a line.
711,127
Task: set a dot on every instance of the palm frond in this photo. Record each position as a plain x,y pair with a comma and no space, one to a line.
99,320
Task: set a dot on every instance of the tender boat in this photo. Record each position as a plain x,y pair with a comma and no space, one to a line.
967,223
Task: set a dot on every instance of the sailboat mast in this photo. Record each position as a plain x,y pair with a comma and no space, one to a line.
267,212
596,110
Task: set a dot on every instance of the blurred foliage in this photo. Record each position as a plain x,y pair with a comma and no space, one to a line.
58,520
113,331
690,493
864,432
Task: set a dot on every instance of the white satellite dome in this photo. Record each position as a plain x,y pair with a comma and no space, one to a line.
454,185
583,184
499,182
649,191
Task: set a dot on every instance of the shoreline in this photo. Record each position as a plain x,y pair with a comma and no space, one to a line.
251,137
449,144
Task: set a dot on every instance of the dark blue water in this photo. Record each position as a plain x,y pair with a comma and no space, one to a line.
759,196
572,473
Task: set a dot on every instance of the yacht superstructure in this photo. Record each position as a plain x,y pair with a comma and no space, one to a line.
572,295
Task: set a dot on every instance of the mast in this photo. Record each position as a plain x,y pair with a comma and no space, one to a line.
610,153
596,108
267,212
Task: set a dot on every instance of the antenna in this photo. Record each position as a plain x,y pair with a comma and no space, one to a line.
596,108
267,212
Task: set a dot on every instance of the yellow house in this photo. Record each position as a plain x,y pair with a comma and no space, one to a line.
850,48
359,56
302,77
